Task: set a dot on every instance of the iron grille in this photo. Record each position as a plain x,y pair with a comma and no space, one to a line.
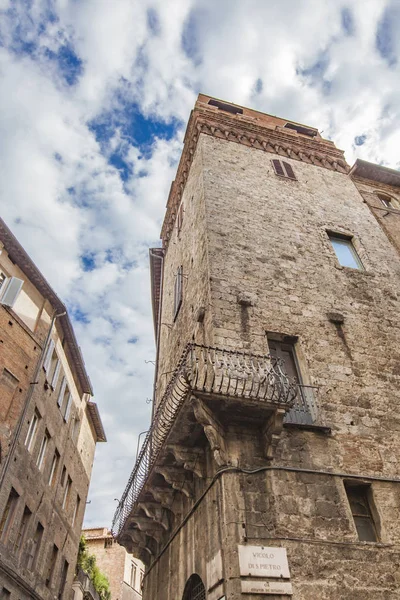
198,592
232,374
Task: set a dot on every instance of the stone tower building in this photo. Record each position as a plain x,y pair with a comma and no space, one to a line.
49,427
272,466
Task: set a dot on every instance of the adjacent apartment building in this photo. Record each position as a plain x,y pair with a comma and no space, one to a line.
272,465
49,427
124,571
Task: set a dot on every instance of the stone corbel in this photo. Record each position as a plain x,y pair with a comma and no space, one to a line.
148,527
155,512
164,495
190,458
176,478
213,431
272,432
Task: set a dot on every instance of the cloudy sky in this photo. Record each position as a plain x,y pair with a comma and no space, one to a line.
94,97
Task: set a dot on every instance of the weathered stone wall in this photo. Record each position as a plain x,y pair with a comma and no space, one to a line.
187,248
267,238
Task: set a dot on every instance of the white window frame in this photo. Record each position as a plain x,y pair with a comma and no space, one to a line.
10,290
54,467
31,435
43,448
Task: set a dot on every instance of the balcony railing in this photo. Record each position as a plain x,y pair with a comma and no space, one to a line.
205,370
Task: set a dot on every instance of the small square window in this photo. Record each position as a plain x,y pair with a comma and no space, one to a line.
345,251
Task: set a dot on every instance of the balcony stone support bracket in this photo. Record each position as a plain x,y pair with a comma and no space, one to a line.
148,527
190,458
213,431
157,513
272,432
164,495
176,479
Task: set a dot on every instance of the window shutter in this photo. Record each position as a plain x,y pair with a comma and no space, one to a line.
178,291
68,407
11,291
56,374
62,391
278,167
48,356
289,170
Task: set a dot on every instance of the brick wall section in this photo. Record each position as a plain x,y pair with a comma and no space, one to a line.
266,236
111,561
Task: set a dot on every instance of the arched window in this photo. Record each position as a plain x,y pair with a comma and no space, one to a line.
386,200
194,589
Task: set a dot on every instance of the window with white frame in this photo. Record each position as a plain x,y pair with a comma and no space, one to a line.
345,251
54,467
31,435
10,287
43,449
64,400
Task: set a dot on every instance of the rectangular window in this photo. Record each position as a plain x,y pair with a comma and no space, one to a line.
10,290
65,406
51,565
179,220
63,579
34,549
76,509
8,515
133,574
55,369
23,527
75,429
359,500
178,291
108,543
31,435
345,251
2,280
283,169
54,468
63,476
43,448
47,358
303,411
67,492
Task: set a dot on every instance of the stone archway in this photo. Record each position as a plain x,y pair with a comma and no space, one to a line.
194,589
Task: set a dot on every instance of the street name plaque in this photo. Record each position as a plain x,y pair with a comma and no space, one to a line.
259,561
267,587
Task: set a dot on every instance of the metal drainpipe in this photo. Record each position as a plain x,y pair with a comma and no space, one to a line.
28,398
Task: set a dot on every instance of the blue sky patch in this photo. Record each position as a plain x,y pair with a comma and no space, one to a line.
69,65
348,24
78,315
88,262
190,37
153,22
359,140
384,36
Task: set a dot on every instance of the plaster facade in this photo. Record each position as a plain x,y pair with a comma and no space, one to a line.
261,277
49,428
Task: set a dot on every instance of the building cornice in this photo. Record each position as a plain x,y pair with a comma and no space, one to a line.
247,131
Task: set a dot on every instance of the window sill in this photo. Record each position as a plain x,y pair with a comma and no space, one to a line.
309,427
353,270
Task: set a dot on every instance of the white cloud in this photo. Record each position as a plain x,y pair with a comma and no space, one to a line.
301,59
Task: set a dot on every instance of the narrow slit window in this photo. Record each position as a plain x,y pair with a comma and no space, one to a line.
178,291
345,251
386,200
359,500
52,560
63,579
76,509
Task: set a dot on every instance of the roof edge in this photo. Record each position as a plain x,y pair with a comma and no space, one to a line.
96,421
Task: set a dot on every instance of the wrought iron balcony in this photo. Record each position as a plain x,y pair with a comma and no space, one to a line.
206,371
